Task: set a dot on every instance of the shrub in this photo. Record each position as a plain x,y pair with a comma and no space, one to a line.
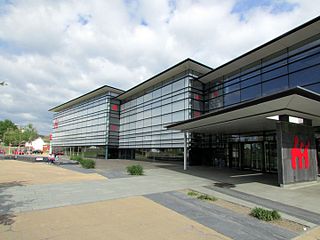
135,170
76,158
264,214
87,163
193,193
206,197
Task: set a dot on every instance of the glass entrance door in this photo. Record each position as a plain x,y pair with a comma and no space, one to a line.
271,156
252,156
256,156
234,155
246,156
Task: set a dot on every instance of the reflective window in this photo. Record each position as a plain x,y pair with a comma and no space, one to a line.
275,85
274,73
232,98
178,116
251,81
251,92
304,77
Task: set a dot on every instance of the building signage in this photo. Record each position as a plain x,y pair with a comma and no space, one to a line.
300,151
55,123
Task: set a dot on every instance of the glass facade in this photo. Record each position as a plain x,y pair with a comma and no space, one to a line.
143,118
93,125
298,65
135,127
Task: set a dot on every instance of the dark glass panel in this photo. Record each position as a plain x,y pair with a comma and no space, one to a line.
304,63
251,92
232,98
231,88
251,81
275,85
305,77
314,87
274,73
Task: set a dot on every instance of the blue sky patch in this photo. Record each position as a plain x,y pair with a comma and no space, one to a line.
84,19
242,6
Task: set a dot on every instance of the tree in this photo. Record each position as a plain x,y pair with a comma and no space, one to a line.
29,133
16,137
5,125
12,136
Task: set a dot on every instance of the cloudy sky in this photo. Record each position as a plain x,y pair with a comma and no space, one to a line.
52,51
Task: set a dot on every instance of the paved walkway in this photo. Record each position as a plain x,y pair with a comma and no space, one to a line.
229,223
26,173
32,197
18,197
294,211
133,218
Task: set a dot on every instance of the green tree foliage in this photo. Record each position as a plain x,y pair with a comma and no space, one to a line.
12,136
29,133
15,136
6,125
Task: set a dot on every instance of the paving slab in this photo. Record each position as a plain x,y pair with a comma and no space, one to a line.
291,210
25,173
229,223
134,218
30,197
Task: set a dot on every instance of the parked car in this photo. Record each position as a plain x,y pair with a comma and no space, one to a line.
2,151
58,153
18,152
37,152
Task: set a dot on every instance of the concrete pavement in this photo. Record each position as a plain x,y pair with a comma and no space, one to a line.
134,218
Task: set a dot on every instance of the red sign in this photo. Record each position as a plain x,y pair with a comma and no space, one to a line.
300,151
50,136
196,114
114,107
197,97
55,123
114,127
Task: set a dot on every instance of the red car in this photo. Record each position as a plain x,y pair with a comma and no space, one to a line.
58,153
18,152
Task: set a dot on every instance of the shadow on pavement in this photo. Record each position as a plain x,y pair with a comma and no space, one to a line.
226,177
7,203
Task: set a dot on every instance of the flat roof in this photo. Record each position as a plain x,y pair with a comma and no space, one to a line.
170,72
285,40
97,92
251,116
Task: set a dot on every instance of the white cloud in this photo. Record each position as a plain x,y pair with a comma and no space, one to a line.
52,51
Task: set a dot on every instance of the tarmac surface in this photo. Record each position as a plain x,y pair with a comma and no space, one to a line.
229,223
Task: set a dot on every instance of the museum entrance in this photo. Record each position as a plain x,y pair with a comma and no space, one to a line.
257,156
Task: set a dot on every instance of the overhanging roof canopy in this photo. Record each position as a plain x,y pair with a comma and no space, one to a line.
251,116
97,92
286,40
168,73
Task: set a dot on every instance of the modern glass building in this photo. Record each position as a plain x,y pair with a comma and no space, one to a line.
238,115
88,124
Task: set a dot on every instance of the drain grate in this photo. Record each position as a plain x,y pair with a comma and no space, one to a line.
224,185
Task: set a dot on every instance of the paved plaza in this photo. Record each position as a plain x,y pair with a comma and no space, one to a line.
41,201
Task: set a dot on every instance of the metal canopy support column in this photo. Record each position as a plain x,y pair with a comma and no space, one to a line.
185,152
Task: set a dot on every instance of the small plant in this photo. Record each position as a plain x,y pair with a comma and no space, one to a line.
76,158
264,214
192,193
135,170
87,163
206,197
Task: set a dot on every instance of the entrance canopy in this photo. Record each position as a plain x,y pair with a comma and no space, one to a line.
254,115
